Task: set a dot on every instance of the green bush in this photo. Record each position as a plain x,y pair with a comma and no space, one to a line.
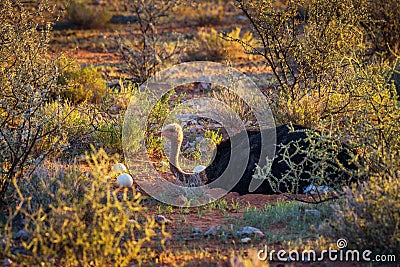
80,13
217,46
328,74
80,84
320,165
208,14
28,75
74,126
78,126
89,222
150,51
369,216
382,25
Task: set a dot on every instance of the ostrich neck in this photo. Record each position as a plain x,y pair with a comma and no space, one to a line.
190,179
174,157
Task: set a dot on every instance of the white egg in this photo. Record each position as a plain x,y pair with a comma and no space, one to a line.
125,180
119,167
199,168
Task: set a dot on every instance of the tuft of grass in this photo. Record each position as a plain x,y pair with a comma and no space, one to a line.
219,46
81,83
84,15
369,217
288,219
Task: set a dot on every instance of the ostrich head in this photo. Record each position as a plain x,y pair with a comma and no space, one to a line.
173,132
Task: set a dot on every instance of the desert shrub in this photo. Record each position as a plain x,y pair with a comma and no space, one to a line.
237,104
305,55
28,76
328,76
204,13
369,217
217,46
97,224
213,136
81,125
150,51
309,55
80,13
317,159
74,126
382,25
81,83
43,185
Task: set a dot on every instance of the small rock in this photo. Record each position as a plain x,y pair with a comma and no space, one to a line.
213,230
315,213
241,17
312,189
7,262
119,168
205,86
246,240
181,201
248,230
21,234
196,231
160,219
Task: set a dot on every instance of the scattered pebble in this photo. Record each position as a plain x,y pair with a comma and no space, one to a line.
181,201
312,189
163,163
213,230
248,230
196,231
160,219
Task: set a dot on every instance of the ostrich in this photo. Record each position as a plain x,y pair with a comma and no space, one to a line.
284,136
